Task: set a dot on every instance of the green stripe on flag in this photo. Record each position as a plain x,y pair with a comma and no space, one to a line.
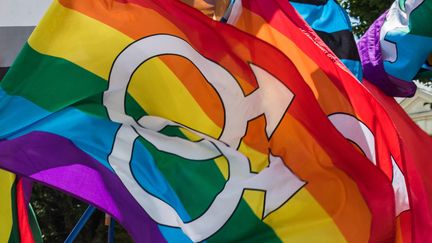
196,184
420,18
36,232
402,5
64,84
50,82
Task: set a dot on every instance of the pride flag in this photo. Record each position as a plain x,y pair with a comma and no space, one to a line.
183,129
383,133
397,46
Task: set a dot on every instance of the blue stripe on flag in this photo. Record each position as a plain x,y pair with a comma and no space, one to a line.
412,50
174,234
325,18
91,134
355,67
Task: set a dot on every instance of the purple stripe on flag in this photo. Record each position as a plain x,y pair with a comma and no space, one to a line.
55,161
373,66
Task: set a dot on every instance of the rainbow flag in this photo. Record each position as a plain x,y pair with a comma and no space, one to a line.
183,129
370,121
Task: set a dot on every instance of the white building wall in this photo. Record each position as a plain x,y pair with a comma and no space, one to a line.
22,12
419,107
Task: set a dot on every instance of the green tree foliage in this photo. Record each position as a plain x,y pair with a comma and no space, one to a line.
365,12
58,213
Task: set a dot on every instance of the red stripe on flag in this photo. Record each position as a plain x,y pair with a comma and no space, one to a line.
25,232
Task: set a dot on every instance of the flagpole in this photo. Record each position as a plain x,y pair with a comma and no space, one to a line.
81,222
224,19
111,231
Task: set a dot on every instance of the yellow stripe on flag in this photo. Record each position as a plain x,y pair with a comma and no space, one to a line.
81,44
168,97
79,39
304,221
6,182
